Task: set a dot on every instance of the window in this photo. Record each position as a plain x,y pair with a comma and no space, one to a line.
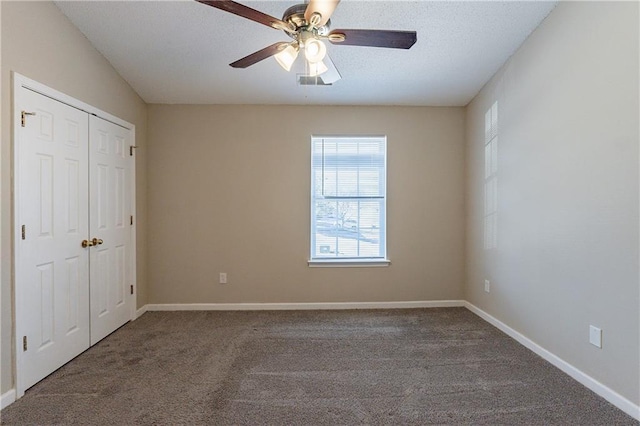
491,177
348,200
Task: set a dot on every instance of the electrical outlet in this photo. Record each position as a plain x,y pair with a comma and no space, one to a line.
223,277
487,286
595,336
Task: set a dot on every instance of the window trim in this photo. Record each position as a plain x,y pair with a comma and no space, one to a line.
348,263
382,261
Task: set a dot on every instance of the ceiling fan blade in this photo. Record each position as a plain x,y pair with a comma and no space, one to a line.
261,54
324,7
247,12
374,38
332,74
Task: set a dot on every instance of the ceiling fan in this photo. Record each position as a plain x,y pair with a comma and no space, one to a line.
308,25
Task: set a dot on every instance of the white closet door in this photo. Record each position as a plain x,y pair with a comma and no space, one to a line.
109,209
52,266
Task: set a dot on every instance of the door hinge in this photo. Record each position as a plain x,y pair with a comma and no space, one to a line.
24,343
131,288
131,148
24,232
131,220
23,120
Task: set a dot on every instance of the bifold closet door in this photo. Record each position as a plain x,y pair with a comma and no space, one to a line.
110,209
52,265
73,235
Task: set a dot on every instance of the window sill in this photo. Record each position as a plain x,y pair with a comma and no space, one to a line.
348,263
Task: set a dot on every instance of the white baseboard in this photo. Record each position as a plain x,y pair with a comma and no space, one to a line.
302,306
610,395
141,311
7,398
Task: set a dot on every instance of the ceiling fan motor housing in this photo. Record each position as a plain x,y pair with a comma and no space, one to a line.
303,29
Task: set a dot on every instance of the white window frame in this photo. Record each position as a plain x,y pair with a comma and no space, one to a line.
353,261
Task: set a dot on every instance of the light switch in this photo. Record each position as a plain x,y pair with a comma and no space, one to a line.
595,336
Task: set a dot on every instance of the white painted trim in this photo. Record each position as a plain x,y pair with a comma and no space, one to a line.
21,81
17,292
607,393
348,263
302,306
141,312
7,398
134,230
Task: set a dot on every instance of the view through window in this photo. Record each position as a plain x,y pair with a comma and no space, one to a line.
348,197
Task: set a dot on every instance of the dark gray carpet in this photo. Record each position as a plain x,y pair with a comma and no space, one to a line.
418,366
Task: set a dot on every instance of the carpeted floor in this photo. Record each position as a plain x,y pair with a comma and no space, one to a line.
417,366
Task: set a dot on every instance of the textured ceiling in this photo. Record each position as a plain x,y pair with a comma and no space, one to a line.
178,52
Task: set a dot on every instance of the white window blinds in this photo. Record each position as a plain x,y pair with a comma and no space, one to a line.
348,197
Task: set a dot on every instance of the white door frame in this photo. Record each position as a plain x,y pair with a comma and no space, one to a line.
19,82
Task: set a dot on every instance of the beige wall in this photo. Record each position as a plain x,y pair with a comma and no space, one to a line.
40,43
229,192
567,253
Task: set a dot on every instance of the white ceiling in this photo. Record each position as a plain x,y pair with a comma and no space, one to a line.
178,52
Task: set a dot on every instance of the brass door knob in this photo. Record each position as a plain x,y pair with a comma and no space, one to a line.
97,241
86,243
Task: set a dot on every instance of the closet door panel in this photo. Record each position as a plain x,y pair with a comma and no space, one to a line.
110,209
52,273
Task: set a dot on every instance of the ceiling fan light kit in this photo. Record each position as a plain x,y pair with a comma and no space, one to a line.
308,24
287,57
317,68
315,50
